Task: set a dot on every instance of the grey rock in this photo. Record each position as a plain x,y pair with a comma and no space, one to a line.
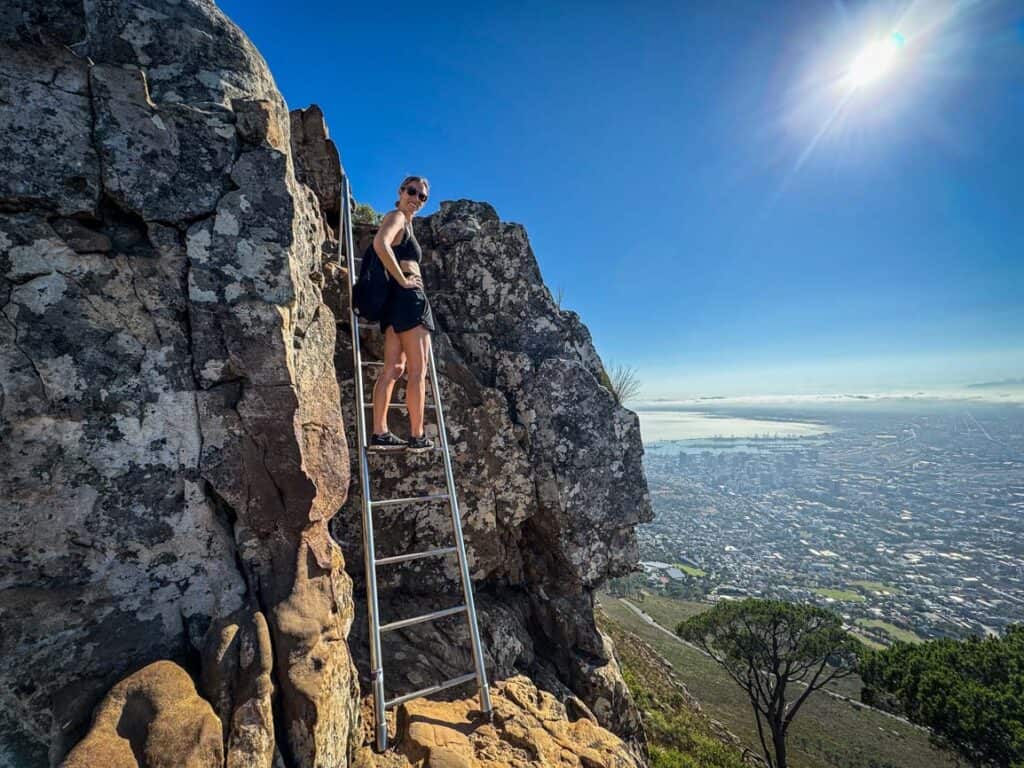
317,163
110,543
47,153
55,22
80,237
169,459
190,50
164,164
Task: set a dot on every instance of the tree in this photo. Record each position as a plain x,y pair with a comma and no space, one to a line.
779,653
970,693
629,585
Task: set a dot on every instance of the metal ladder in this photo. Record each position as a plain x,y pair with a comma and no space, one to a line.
371,560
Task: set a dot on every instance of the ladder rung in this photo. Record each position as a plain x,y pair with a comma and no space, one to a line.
398,405
409,500
403,452
365,324
420,619
373,363
414,556
431,689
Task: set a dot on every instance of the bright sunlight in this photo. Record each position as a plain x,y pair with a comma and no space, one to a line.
875,61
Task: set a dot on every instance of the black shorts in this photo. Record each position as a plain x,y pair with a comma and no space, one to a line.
406,308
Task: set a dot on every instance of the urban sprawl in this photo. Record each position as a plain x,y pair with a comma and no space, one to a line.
909,521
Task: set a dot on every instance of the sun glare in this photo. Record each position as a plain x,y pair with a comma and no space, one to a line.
874,61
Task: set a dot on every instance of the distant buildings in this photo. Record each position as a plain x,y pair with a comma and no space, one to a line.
913,514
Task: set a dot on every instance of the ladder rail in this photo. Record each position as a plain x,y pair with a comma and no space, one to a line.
372,606
453,503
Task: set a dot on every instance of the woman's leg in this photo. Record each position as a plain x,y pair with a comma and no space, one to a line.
416,345
394,365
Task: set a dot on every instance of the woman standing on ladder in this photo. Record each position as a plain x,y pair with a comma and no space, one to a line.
406,321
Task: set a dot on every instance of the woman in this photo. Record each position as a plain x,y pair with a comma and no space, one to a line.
406,321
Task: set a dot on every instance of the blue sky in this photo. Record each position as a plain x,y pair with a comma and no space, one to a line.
724,211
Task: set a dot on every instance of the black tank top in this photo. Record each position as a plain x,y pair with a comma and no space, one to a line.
409,248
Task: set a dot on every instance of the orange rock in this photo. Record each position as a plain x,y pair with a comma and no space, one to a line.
154,717
530,728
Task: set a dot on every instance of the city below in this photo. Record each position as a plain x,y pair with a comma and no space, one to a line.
903,516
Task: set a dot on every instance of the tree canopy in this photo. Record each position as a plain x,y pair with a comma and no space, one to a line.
970,693
779,653
365,214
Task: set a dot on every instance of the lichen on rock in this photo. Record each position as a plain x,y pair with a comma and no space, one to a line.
171,430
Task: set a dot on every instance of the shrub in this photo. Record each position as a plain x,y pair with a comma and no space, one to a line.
969,692
364,214
623,382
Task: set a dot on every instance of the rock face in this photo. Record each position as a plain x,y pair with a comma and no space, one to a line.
548,468
236,674
172,441
316,161
171,435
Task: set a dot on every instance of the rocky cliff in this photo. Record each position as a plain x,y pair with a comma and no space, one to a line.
548,470
174,391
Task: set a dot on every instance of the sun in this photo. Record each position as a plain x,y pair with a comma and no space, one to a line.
874,61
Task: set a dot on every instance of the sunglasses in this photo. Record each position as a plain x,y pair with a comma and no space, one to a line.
413,192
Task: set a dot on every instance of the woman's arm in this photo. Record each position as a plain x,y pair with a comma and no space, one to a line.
392,223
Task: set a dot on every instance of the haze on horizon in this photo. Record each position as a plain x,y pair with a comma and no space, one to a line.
938,377
735,197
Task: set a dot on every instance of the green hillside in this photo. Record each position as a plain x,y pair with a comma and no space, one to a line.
679,735
829,732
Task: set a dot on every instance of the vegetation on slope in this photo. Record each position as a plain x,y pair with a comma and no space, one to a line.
679,735
969,692
835,731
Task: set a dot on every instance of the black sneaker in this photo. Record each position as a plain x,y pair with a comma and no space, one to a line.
387,442
419,444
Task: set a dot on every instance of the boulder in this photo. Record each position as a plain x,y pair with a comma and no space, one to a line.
152,719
